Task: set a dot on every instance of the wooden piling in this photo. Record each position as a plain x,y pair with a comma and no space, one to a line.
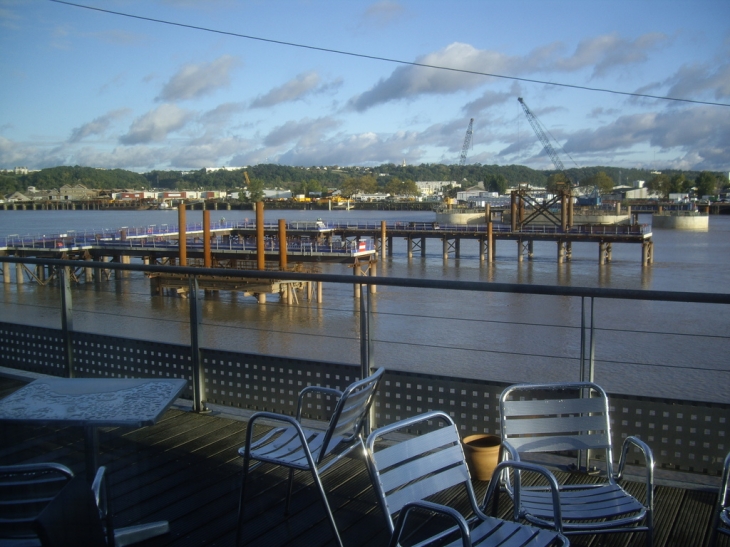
207,257
260,241
182,234
282,245
382,239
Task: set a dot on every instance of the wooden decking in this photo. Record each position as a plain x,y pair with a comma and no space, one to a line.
186,470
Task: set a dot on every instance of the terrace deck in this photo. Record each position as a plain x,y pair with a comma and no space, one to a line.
186,470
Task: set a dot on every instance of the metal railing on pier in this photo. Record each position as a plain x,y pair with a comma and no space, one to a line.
685,433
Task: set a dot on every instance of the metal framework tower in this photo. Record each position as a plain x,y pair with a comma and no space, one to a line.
467,143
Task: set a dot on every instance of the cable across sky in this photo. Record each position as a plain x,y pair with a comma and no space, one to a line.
390,60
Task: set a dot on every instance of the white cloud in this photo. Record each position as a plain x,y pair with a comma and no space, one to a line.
156,124
305,131
97,126
602,54
194,81
383,13
293,90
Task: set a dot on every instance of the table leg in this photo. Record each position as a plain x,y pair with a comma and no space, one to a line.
91,440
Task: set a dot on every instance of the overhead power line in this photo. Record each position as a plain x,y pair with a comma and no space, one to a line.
387,59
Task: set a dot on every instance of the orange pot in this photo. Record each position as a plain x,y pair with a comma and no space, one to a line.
482,455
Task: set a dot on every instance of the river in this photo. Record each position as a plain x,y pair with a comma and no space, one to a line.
643,348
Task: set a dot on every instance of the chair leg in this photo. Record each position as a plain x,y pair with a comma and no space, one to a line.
239,524
649,528
289,491
331,517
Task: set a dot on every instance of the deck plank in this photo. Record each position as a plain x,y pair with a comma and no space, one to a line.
186,470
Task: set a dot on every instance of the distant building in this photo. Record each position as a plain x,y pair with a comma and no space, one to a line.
213,169
430,187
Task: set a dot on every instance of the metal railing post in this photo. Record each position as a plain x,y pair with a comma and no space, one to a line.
67,323
195,335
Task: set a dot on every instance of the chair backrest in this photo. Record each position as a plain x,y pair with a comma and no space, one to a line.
25,490
352,409
72,518
556,417
414,468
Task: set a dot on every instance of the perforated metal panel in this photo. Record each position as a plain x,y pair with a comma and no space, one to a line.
684,435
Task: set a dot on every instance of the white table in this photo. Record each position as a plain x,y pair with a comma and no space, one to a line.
92,403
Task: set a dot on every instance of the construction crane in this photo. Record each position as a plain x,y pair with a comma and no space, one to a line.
467,143
540,132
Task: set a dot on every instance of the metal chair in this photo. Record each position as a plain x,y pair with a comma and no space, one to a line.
25,490
45,505
721,520
555,418
408,472
300,448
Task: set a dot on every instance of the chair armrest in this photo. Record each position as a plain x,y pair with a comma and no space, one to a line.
272,416
519,466
320,389
434,508
648,460
101,495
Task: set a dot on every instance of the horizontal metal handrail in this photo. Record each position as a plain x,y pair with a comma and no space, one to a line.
450,285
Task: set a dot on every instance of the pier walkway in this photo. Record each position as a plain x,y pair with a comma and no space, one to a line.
185,469
334,241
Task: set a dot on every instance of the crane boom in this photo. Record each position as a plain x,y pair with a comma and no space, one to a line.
535,123
467,143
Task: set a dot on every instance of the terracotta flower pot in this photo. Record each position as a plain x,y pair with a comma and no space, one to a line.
482,454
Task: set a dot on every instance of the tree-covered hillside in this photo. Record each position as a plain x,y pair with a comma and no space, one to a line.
298,179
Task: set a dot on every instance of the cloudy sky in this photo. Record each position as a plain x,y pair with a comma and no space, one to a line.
86,87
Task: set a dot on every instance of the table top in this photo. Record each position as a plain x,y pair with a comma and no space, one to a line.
126,402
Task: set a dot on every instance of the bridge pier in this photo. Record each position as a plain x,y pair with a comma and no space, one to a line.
519,250
647,253
19,279
6,272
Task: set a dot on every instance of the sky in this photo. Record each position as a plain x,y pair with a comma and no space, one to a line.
342,82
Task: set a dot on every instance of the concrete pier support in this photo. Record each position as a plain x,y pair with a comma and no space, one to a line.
482,251
261,298
457,248
410,247
89,274
390,245
561,251
357,272
445,248
519,250
647,253
373,272
530,249
568,250
6,272
383,239
602,252
19,279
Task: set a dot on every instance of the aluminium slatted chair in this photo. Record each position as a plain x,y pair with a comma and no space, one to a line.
721,519
300,448
573,417
25,490
45,505
409,472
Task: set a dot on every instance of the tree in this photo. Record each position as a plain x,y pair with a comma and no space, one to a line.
556,181
705,184
496,182
359,185
659,184
255,191
601,180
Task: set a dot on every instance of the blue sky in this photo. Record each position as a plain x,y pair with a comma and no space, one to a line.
83,87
